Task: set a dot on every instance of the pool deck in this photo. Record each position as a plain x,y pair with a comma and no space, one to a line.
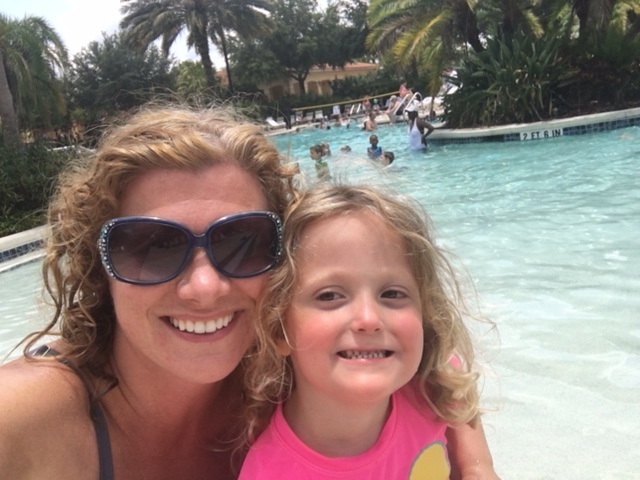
26,246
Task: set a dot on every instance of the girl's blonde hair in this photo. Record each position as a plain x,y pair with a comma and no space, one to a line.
89,193
448,384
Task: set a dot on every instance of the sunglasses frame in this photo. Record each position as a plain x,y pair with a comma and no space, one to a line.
194,241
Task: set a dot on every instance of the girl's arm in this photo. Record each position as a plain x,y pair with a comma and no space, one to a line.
469,453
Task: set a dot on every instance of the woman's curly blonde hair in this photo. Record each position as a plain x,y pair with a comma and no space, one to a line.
89,193
449,386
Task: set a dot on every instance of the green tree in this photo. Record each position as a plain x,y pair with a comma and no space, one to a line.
596,16
32,58
297,38
350,29
608,57
508,18
593,15
146,21
107,77
191,83
302,37
408,27
252,62
434,34
243,18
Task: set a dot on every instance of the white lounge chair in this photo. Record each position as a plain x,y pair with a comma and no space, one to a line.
273,124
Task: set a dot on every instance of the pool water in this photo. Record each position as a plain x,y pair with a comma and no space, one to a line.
548,230
21,309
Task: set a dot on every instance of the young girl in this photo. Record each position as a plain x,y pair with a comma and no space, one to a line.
362,350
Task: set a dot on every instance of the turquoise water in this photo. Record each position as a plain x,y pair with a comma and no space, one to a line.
21,309
548,231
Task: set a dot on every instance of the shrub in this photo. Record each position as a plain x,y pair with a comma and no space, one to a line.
27,175
509,82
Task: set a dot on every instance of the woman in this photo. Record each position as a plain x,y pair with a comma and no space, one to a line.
158,253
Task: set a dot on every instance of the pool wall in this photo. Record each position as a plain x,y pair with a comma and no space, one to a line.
21,248
594,123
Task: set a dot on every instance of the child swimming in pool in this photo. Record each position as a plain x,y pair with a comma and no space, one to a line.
362,351
317,152
387,158
374,150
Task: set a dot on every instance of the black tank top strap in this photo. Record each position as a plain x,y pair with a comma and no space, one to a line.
97,417
104,443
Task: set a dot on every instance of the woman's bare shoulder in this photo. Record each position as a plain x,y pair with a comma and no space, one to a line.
43,384
45,415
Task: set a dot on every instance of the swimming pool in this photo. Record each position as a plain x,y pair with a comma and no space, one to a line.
21,308
549,232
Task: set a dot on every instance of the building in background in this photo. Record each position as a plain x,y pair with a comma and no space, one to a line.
318,81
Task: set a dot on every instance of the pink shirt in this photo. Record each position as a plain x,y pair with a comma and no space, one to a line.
412,445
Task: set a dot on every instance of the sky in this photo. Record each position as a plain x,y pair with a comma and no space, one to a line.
79,22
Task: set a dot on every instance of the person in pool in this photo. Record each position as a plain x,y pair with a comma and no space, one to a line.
159,249
316,152
370,122
418,130
374,150
388,158
362,366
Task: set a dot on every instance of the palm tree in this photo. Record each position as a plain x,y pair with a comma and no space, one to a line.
410,27
506,18
240,16
32,56
595,16
146,21
427,33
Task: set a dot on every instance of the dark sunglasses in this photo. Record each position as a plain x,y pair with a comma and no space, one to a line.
149,250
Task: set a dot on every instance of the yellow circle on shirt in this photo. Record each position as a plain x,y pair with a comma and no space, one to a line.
431,464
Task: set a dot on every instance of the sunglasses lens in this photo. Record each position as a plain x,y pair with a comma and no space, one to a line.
243,247
147,252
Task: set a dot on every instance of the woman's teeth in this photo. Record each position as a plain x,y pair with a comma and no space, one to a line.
208,326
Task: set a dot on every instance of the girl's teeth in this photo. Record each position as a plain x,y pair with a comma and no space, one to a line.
356,354
197,327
